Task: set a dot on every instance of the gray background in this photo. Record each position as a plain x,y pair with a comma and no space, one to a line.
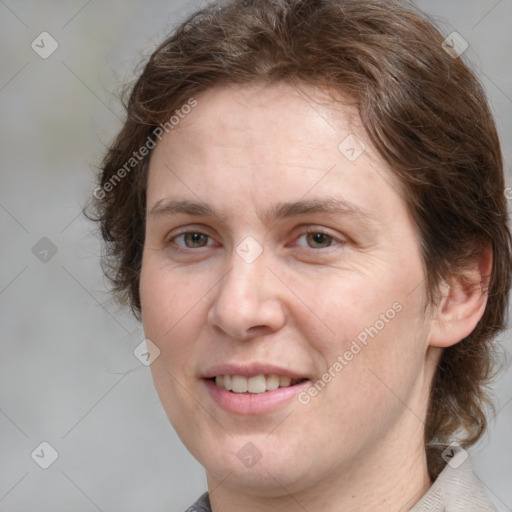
68,375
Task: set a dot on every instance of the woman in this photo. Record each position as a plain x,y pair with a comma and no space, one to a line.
306,209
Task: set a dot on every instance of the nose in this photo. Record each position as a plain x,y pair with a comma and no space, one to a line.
248,301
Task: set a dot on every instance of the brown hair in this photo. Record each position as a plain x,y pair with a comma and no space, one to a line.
423,109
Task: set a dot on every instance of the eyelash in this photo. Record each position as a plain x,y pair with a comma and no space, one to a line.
308,231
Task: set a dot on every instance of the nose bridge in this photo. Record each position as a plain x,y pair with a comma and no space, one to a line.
247,265
245,298
244,281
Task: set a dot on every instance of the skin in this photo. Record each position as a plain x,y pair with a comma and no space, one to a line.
358,444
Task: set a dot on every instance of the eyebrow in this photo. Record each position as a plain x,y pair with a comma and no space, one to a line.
279,211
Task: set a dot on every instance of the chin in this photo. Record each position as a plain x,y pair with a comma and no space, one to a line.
258,465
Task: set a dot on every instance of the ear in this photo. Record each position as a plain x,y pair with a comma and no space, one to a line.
463,302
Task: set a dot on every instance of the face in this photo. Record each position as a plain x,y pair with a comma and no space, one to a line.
276,255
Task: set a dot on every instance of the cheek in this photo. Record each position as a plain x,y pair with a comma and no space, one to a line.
370,366
366,325
170,306
342,307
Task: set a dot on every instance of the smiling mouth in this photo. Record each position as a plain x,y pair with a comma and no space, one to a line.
254,385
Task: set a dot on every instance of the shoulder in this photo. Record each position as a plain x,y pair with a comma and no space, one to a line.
201,505
457,488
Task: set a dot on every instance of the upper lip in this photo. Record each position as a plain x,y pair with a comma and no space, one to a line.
250,370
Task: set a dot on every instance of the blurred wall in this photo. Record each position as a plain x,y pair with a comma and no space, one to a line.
68,376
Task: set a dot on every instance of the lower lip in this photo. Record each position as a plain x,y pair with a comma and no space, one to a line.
253,403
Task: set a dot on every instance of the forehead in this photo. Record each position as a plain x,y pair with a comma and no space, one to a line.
259,142
230,116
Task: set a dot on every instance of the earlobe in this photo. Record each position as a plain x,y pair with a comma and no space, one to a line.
464,297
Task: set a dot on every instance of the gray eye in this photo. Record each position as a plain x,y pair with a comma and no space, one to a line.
193,240
317,239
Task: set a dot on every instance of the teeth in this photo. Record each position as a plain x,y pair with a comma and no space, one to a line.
239,384
284,382
272,382
257,384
